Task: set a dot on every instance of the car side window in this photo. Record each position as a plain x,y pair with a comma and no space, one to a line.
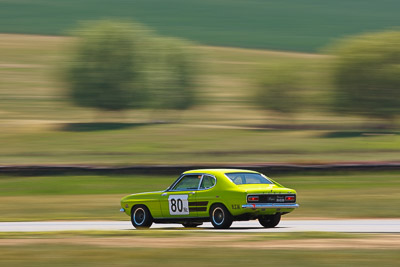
207,182
188,182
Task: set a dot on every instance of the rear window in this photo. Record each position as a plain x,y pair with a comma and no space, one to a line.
248,178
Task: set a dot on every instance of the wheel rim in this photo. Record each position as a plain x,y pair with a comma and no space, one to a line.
218,216
266,219
139,216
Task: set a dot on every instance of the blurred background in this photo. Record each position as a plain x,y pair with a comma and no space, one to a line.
211,83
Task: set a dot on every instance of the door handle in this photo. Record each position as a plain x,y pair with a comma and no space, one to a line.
193,192
163,194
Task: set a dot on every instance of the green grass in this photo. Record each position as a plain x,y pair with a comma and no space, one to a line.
87,255
344,195
184,144
40,126
82,185
281,25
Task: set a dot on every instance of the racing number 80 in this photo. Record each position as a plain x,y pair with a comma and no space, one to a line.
176,205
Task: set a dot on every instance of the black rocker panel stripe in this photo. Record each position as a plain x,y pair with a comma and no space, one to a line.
198,206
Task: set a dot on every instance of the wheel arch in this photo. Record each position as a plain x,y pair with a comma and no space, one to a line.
218,203
140,204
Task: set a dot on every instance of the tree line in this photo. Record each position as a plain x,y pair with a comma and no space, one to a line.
120,65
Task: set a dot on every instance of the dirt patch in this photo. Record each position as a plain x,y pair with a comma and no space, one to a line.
237,241
383,242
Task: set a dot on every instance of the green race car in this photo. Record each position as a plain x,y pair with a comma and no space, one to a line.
217,195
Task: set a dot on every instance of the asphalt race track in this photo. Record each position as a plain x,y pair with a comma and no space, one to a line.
348,226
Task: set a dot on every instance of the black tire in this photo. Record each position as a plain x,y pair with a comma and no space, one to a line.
141,217
191,224
220,217
270,221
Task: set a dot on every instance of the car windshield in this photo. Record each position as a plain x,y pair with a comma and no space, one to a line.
248,178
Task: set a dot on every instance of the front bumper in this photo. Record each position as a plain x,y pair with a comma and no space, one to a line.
270,206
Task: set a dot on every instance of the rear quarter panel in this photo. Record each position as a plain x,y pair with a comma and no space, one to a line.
226,193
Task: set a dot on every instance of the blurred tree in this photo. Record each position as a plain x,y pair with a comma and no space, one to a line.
366,75
121,65
279,90
108,64
174,74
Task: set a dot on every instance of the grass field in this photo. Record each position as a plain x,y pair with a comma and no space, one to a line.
281,25
40,126
77,255
176,144
347,195
61,249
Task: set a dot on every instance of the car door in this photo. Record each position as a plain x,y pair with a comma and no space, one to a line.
204,195
176,201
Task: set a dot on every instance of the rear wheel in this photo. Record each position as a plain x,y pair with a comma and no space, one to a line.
220,217
270,221
141,217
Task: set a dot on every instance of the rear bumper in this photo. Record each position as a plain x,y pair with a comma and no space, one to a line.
270,206
122,210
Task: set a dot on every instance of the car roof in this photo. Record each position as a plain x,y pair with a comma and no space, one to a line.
218,171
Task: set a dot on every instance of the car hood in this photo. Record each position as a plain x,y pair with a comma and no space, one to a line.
265,189
145,195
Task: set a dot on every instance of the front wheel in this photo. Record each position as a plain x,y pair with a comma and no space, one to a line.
220,217
141,217
270,221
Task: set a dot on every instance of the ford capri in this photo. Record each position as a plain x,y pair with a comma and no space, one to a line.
217,195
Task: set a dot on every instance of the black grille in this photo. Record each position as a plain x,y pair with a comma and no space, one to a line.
272,198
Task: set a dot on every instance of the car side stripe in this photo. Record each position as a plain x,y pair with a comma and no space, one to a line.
200,203
197,209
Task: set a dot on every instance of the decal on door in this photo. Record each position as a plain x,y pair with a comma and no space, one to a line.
178,204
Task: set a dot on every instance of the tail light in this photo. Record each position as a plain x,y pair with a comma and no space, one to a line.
289,198
253,198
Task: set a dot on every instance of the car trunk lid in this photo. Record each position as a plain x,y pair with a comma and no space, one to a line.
263,188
